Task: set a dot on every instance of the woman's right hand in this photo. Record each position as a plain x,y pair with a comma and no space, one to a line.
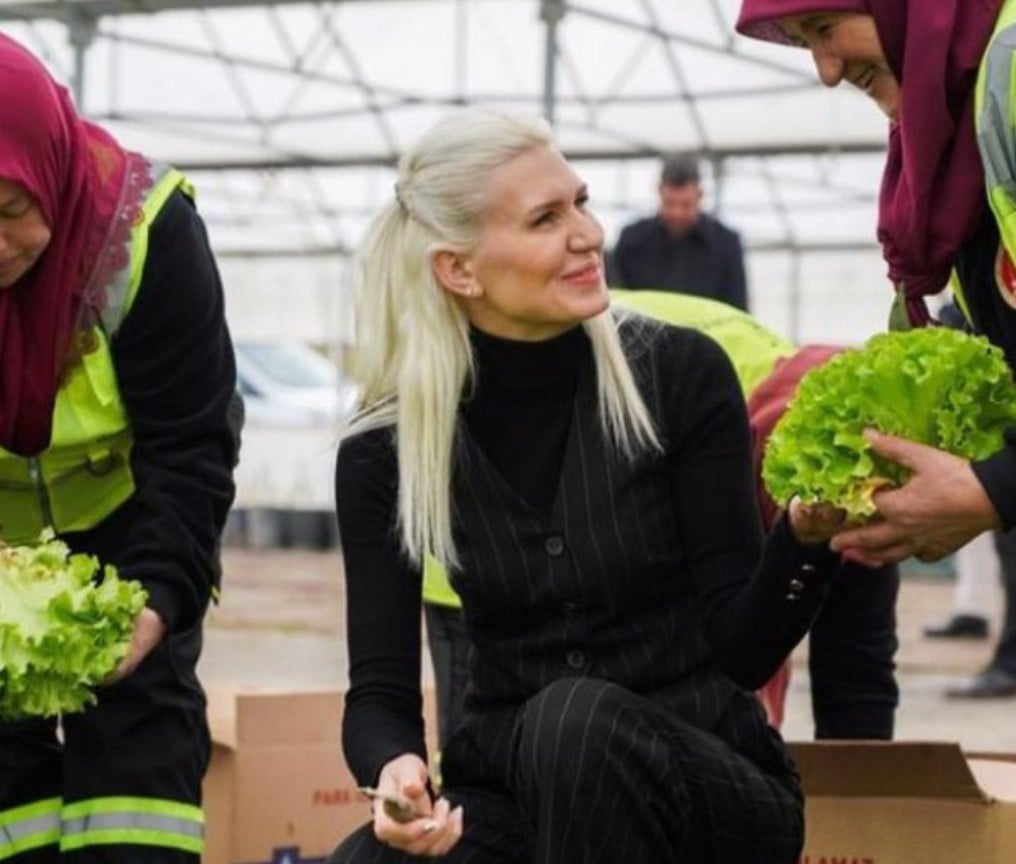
437,828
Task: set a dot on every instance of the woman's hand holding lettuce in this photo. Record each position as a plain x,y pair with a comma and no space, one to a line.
942,507
941,388
149,631
61,631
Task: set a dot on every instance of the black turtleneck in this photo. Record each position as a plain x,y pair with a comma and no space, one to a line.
521,408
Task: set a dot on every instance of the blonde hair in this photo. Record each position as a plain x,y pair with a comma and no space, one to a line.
413,357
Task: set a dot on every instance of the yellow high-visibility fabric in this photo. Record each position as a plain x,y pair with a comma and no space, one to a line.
995,121
85,472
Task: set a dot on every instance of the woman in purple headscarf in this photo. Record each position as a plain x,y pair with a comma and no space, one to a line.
920,62
941,70
116,386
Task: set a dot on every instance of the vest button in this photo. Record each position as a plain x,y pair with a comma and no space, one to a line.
554,545
794,589
576,659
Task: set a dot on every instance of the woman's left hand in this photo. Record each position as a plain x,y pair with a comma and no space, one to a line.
149,629
939,509
814,523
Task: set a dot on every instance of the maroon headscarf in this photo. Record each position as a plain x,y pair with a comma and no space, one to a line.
933,194
760,18
87,188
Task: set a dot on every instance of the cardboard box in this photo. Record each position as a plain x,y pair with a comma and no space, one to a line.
278,790
906,803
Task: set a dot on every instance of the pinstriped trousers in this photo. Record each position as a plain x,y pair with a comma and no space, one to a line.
600,774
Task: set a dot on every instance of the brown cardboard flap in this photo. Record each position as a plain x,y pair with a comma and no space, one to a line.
267,717
272,718
990,756
278,788
849,769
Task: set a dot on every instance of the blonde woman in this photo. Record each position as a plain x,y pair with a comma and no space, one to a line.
586,480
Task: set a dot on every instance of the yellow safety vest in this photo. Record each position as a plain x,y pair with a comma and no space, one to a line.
995,122
85,473
752,349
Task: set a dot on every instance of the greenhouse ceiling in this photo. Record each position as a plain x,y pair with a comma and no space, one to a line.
290,115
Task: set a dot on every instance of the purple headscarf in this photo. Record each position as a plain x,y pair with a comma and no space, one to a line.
760,18
933,194
85,188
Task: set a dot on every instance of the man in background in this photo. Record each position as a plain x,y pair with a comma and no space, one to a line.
681,249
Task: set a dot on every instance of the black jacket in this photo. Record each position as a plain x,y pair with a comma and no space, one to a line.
175,370
708,262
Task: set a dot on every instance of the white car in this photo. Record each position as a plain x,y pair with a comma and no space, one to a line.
291,384
295,401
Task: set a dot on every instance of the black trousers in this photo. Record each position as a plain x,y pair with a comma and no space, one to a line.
851,655
1005,650
124,783
599,774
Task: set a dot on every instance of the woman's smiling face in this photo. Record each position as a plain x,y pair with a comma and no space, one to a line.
537,265
846,47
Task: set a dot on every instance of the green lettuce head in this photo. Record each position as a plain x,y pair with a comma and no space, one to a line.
936,386
62,628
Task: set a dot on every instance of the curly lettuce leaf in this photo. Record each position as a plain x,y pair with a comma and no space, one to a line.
63,628
937,386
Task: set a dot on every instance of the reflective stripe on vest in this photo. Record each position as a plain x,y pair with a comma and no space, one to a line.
85,472
137,821
30,826
995,119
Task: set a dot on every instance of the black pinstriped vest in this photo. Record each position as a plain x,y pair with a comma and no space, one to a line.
597,587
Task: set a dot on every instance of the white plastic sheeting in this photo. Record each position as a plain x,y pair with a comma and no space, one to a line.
289,117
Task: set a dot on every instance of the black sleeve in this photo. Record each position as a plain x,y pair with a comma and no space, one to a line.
384,712
175,370
998,477
754,612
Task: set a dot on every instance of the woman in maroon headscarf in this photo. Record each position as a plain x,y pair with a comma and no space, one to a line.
945,205
116,386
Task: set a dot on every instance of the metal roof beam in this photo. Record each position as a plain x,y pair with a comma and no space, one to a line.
62,10
324,251
691,42
377,160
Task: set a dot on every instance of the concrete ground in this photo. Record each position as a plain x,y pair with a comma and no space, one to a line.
281,624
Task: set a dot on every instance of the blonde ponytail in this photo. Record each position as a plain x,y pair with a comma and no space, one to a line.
413,357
